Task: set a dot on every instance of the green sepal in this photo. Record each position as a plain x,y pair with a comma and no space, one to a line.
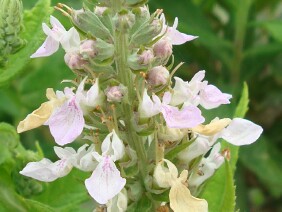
170,155
89,23
136,3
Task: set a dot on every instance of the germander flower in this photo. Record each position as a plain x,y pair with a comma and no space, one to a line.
52,42
47,171
179,195
173,35
64,112
105,181
207,167
186,117
198,92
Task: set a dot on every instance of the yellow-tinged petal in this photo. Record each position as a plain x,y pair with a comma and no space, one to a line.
50,94
181,199
212,128
163,176
36,118
40,115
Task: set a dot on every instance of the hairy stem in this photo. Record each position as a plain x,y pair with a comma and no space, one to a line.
125,76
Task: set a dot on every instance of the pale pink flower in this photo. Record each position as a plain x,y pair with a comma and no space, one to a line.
188,92
66,122
188,117
52,42
211,97
175,37
105,181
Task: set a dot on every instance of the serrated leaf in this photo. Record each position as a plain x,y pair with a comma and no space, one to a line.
32,34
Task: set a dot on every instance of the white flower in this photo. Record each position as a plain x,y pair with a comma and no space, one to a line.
149,107
47,171
91,98
241,132
207,167
199,147
105,181
52,42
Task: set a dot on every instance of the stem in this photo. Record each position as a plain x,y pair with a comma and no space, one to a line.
125,76
241,19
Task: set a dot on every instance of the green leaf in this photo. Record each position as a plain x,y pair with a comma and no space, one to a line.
33,35
8,140
38,206
243,105
220,190
275,29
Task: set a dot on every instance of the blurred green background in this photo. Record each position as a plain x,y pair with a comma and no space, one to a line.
238,41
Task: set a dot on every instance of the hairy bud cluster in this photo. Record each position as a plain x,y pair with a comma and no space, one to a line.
11,14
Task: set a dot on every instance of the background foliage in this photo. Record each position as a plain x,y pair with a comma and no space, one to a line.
238,41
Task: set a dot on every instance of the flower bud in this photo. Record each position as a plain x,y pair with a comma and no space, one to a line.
11,14
158,75
124,20
74,61
115,93
146,57
163,49
87,49
145,12
100,10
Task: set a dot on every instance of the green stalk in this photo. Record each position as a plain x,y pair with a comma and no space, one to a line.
125,76
241,19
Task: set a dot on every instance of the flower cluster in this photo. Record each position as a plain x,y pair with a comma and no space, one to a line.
126,109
